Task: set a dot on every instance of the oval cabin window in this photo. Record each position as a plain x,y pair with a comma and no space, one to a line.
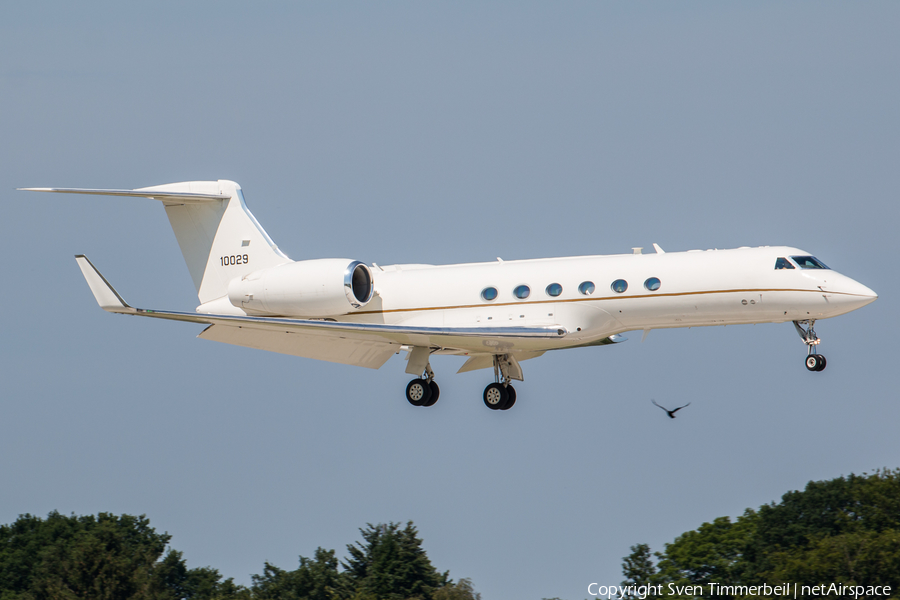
489,293
619,286
522,292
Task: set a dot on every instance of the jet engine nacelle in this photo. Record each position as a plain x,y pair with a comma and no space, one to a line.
308,288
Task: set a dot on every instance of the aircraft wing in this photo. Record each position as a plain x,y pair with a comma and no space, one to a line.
361,344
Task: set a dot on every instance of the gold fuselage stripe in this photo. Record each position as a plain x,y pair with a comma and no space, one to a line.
597,299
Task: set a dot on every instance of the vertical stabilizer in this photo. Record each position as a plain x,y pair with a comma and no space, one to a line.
219,239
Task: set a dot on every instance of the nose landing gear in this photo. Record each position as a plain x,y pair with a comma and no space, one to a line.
814,361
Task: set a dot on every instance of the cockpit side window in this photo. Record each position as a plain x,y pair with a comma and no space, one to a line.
808,262
783,263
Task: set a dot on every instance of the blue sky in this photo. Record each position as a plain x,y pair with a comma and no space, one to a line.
442,133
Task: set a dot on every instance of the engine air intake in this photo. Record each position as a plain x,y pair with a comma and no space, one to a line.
358,284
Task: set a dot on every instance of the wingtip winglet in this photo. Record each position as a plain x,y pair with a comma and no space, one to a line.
107,297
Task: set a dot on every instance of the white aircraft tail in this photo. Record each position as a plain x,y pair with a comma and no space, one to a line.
219,237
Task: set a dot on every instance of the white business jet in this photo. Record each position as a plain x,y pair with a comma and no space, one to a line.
496,314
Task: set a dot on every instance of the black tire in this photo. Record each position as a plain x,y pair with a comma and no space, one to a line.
418,392
812,362
435,393
511,393
495,396
822,363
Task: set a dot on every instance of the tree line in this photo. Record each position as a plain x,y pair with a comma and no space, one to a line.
109,557
844,530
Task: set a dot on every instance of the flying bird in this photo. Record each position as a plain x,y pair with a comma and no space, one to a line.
671,413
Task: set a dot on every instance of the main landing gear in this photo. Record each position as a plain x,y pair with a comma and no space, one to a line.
498,396
501,395
423,391
814,360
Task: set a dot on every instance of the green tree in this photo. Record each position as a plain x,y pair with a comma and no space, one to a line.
461,590
108,557
390,564
847,509
843,530
863,558
314,579
713,553
204,583
102,557
639,570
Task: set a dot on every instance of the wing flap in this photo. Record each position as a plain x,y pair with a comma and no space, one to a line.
360,353
486,361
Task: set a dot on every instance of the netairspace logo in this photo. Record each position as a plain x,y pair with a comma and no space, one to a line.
784,590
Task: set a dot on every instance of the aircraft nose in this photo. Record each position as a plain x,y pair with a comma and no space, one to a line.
853,292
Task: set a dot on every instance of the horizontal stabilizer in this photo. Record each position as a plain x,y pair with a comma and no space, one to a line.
165,196
107,297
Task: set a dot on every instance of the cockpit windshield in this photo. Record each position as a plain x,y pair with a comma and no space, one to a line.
783,263
808,262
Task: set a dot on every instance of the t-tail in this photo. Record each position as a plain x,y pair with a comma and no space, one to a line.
218,235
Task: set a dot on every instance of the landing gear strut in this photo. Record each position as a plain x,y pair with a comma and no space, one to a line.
814,360
423,391
500,395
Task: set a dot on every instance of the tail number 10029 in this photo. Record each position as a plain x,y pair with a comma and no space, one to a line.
234,259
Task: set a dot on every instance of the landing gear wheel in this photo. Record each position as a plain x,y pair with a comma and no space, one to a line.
511,399
815,362
435,393
495,396
418,392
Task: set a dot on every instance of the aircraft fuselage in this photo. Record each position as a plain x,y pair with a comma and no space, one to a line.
696,288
